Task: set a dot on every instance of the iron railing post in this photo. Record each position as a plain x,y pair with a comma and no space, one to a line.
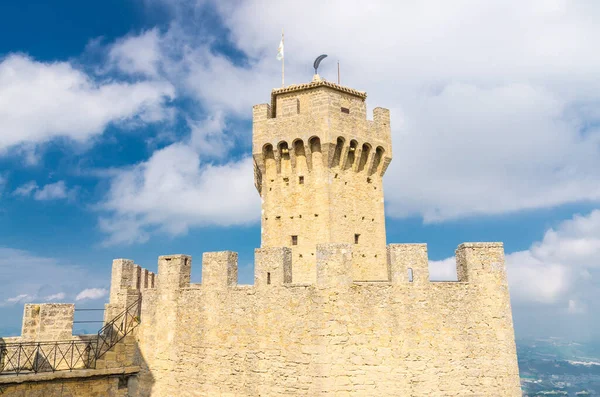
19,360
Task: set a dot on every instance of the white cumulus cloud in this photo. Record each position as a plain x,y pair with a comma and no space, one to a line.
173,191
576,307
492,106
51,191
137,54
26,189
91,293
40,101
21,298
30,278
3,180
558,270
444,270
55,297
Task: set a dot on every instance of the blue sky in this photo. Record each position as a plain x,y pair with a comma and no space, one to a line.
125,132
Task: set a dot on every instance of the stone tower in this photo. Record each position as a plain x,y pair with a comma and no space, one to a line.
318,168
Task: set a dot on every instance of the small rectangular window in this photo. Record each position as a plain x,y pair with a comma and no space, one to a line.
410,275
346,110
356,236
301,180
268,278
294,240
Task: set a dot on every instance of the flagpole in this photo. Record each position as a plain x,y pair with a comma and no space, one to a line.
282,62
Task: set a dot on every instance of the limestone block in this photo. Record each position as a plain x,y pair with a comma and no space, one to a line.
137,274
381,116
145,278
289,107
219,269
174,271
123,277
272,266
481,262
48,321
261,112
334,265
406,260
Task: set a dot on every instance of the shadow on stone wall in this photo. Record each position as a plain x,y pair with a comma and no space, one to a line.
40,369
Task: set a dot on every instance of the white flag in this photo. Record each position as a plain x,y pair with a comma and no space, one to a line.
280,50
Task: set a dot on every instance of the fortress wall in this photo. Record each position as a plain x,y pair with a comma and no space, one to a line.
99,386
399,337
47,321
128,281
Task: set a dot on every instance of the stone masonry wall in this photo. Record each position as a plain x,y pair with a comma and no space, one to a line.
105,386
127,282
48,321
336,336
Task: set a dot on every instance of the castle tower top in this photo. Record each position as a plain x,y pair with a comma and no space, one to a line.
316,82
319,164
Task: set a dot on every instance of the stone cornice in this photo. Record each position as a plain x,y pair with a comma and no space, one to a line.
316,83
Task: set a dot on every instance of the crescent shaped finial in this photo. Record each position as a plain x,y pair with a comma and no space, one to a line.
318,61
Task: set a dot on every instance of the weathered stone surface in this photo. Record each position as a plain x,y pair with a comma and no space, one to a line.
405,338
319,172
334,311
48,321
81,383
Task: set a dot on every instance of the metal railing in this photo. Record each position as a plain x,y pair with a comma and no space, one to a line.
35,357
118,328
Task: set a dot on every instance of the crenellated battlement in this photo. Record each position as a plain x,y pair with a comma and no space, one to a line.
328,330
407,264
358,147
379,334
128,281
300,158
319,124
